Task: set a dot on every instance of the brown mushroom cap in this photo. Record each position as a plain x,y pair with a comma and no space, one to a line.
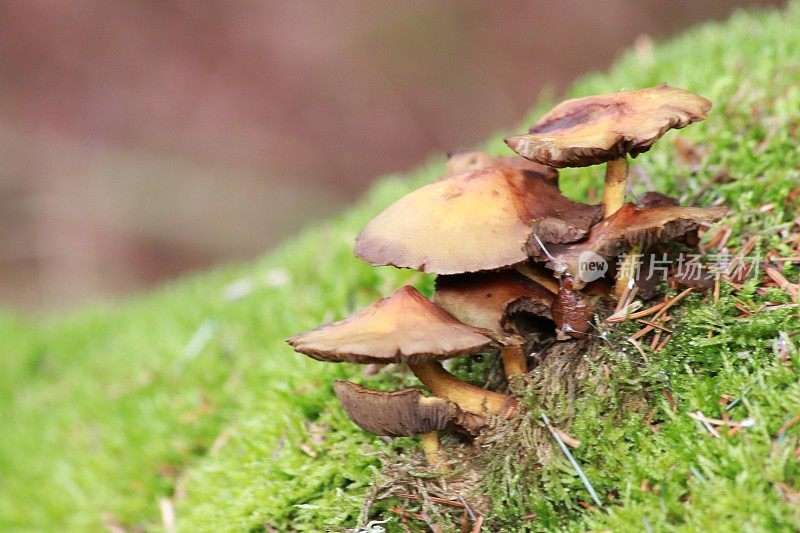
395,414
655,199
460,162
489,299
628,227
406,327
596,129
479,220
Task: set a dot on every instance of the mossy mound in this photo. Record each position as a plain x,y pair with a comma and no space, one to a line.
189,400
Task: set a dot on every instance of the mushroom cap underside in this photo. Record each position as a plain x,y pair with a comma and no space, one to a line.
489,299
460,162
400,413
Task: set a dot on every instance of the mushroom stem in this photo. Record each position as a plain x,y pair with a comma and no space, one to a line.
468,397
627,267
514,362
616,182
430,446
540,276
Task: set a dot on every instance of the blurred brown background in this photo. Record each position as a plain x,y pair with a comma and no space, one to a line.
142,139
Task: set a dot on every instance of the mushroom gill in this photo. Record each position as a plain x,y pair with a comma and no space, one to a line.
402,413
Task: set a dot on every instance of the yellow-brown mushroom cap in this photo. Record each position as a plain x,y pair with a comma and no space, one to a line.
628,227
406,327
489,300
401,413
596,129
479,220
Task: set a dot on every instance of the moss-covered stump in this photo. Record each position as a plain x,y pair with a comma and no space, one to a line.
186,402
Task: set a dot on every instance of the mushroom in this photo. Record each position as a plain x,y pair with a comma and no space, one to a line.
409,328
491,300
482,228
606,129
402,413
479,220
657,199
629,227
459,162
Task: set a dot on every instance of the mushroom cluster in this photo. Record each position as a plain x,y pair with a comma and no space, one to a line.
506,246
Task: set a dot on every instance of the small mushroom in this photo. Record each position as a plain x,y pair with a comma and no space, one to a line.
402,413
407,327
629,227
479,220
606,129
491,300
459,162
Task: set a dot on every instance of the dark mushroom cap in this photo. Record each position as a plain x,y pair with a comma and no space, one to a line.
394,414
479,220
628,227
460,162
596,129
406,327
488,300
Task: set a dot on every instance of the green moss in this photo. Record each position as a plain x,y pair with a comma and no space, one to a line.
190,394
